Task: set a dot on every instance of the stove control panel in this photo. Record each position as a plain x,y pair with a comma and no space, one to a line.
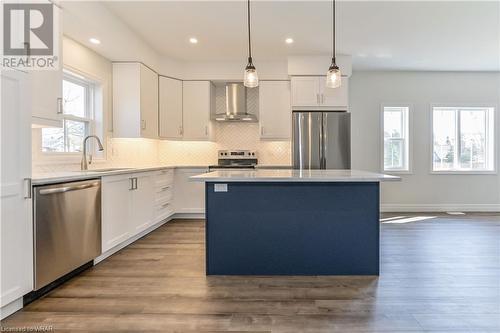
237,154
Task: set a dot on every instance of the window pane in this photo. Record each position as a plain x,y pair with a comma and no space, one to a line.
394,154
52,140
75,131
473,139
444,129
393,121
74,99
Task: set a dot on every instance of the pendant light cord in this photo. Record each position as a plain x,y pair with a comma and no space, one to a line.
333,31
249,36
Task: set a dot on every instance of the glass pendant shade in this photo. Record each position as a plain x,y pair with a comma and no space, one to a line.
333,77
251,79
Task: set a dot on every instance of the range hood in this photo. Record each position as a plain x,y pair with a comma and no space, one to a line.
236,104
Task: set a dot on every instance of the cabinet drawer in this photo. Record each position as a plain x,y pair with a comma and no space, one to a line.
163,211
163,187
163,197
164,177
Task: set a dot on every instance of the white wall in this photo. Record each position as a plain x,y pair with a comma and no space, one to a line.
422,190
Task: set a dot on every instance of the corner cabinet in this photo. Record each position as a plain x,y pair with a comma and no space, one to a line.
198,101
135,101
275,111
311,92
170,108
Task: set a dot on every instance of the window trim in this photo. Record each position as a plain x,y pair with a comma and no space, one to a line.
78,77
409,170
494,138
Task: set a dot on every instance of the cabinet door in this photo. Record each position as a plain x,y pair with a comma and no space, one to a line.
197,103
126,100
275,111
170,108
305,91
16,236
116,210
143,200
335,97
149,103
189,196
46,90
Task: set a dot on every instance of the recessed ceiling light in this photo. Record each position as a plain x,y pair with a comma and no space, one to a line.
289,40
95,41
193,40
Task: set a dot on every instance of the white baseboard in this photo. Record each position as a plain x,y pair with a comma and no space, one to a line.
420,208
10,308
131,240
189,216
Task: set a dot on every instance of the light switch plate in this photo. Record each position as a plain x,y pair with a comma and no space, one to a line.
220,187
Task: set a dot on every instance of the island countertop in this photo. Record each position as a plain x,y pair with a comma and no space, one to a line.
294,175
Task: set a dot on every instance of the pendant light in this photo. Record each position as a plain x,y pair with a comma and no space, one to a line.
251,79
333,76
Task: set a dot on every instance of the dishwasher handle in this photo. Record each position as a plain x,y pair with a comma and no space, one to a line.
63,189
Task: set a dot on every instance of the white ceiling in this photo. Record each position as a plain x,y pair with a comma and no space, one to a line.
394,35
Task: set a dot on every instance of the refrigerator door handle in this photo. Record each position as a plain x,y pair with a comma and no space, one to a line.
322,142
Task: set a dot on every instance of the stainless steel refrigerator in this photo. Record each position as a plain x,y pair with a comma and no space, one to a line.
321,140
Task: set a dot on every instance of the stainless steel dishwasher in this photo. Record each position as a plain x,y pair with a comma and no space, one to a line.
67,228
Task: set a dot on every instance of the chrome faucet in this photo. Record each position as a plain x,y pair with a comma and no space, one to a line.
84,164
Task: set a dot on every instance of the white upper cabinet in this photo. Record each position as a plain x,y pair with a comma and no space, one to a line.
275,111
16,236
305,91
311,92
135,101
335,97
198,101
170,108
46,92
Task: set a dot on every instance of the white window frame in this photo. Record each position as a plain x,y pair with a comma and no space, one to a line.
491,140
409,138
80,79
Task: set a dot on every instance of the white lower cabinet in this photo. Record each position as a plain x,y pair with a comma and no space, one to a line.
189,195
131,203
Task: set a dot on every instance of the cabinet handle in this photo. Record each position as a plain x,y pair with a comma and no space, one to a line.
180,130
262,130
135,183
60,106
165,188
143,124
27,188
317,99
131,184
165,205
322,99
206,130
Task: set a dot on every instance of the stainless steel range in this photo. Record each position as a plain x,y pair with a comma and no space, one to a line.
235,159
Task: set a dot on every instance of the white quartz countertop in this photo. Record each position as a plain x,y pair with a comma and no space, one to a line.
68,176
281,175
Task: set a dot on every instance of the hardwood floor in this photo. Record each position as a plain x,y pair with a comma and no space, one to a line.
441,274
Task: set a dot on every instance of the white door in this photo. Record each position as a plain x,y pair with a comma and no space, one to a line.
275,111
305,91
16,228
337,98
196,101
143,201
149,103
170,108
116,210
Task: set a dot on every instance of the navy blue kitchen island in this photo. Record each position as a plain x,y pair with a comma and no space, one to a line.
291,222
